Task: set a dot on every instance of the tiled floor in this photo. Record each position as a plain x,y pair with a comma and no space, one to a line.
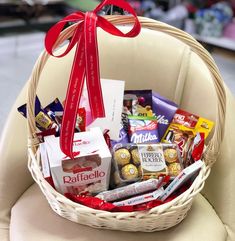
17,57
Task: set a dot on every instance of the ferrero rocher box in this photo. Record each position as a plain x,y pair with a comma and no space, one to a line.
89,171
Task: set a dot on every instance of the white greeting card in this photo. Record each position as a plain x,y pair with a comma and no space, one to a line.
113,92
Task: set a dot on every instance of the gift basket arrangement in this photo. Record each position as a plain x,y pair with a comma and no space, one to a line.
112,158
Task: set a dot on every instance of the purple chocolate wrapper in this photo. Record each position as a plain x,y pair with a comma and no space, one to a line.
164,99
123,138
164,110
143,129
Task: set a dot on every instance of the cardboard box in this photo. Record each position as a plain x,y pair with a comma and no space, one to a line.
89,171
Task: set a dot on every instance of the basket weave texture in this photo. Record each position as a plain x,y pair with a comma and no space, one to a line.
157,218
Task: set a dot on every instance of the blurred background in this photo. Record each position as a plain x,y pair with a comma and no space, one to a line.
23,24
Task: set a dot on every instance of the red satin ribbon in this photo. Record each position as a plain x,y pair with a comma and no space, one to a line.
85,64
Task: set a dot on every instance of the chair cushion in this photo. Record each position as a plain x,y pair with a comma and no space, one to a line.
33,219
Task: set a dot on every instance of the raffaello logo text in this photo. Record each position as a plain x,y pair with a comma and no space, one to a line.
83,177
80,142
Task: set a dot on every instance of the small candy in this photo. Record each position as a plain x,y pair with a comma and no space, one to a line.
135,156
129,172
170,155
122,156
174,169
42,120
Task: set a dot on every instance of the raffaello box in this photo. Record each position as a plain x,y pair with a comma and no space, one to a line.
89,171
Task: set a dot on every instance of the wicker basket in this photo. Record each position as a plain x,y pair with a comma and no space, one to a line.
158,218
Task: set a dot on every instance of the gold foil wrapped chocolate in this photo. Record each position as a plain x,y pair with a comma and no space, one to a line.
129,172
135,156
122,156
135,162
174,169
170,155
152,160
159,159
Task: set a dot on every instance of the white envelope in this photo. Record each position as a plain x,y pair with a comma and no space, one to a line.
113,91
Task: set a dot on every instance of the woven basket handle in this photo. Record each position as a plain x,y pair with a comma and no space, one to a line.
214,144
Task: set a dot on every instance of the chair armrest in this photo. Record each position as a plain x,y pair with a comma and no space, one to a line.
219,188
14,175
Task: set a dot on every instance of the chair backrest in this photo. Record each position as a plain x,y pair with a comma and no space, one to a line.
153,60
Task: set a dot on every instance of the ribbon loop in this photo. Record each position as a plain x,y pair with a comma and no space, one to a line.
85,63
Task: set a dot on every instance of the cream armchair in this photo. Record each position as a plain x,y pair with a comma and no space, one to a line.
155,61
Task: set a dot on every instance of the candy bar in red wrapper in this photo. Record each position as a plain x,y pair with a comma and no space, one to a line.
96,203
184,128
196,150
80,124
81,120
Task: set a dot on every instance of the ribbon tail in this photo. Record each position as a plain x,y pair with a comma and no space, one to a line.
92,67
72,100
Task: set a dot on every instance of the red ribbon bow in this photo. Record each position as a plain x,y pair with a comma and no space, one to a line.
85,64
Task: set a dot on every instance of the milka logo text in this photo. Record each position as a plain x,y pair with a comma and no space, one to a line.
140,138
162,120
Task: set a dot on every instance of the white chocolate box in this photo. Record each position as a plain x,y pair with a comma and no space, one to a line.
89,171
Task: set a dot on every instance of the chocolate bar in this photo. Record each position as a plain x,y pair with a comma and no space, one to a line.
130,190
164,110
143,129
141,198
43,121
